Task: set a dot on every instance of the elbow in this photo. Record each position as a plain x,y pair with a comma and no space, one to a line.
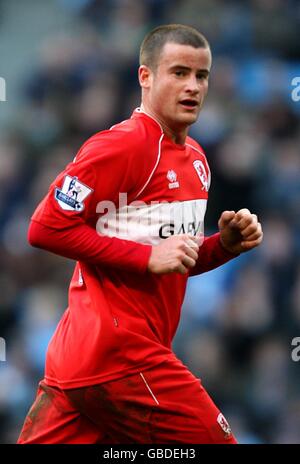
34,235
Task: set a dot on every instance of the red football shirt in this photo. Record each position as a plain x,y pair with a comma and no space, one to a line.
121,318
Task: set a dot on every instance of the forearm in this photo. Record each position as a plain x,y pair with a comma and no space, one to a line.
83,243
211,255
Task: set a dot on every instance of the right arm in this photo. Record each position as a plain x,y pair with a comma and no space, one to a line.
101,169
82,243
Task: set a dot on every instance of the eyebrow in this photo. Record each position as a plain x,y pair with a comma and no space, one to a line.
186,68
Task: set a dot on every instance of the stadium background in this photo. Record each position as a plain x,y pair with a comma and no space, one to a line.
70,70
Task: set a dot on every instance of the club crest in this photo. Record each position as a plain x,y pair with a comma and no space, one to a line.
200,170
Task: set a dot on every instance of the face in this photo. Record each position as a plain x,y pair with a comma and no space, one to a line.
176,90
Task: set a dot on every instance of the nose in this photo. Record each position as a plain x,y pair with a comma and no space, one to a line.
192,84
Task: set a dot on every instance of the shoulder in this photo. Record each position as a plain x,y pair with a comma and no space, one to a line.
127,152
126,140
200,162
190,142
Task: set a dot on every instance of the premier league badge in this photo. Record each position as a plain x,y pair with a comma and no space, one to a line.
72,194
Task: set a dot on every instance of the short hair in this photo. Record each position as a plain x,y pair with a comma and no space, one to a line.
155,40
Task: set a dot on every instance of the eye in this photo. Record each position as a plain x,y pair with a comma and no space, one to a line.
202,77
179,73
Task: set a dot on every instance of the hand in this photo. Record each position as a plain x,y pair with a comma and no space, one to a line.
239,231
178,253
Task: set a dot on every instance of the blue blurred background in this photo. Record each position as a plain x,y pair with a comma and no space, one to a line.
71,70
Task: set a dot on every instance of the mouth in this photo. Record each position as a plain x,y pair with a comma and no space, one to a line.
189,103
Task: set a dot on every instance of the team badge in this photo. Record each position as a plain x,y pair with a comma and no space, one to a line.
224,425
200,170
72,194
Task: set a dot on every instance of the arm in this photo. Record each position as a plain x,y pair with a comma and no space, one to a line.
239,232
82,243
64,222
211,255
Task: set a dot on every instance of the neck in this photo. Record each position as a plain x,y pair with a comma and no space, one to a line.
177,135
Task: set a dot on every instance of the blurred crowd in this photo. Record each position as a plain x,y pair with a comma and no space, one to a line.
238,321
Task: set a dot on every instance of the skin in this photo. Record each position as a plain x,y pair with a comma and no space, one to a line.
182,73
181,76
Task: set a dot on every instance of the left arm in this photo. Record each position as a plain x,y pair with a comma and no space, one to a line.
238,232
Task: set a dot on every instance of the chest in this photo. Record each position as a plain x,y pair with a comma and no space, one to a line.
180,175
172,201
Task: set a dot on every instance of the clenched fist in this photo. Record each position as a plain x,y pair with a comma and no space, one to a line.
239,231
178,253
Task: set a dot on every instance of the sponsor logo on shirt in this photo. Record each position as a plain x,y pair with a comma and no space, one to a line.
172,178
192,228
200,170
152,222
72,194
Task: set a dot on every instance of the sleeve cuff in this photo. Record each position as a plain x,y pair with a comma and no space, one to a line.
222,250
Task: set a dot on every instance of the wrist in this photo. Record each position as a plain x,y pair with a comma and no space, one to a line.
227,249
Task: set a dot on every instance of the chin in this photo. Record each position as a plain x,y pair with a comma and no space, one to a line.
188,119
182,121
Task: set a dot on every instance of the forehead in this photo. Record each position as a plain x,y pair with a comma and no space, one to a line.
174,54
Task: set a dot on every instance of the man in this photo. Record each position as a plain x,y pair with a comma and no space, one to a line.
111,375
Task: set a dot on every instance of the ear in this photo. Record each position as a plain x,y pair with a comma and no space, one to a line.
145,76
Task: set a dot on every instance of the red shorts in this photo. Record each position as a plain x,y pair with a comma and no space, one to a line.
162,405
